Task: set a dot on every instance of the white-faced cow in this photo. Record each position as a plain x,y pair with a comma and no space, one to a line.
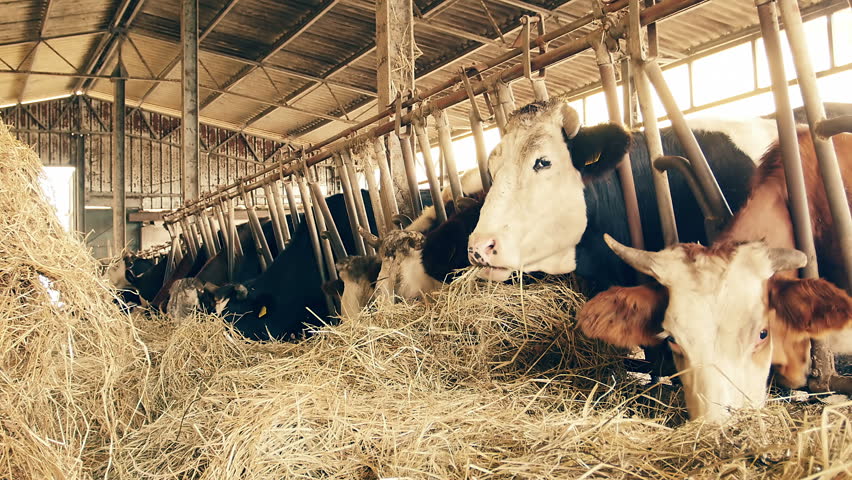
731,310
554,194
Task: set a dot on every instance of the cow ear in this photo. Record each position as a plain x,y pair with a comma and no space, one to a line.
626,316
811,305
597,150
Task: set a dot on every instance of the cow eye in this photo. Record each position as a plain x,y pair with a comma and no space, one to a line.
671,339
763,334
541,163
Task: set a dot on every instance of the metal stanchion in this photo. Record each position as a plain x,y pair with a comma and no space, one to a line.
368,164
389,205
263,252
425,149
445,140
275,217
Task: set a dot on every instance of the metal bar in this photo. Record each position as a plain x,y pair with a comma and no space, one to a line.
481,151
499,113
189,98
570,48
232,241
652,132
80,191
119,185
327,224
409,172
624,168
219,209
357,195
389,205
505,98
314,234
262,248
834,126
276,218
681,165
282,215
291,202
206,235
722,212
445,140
788,138
426,151
375,196
191,242
351,209
214,231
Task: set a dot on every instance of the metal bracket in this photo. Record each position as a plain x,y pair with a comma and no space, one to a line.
526,20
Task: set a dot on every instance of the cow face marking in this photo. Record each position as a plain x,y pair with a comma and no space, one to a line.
535,212
718,321
359,275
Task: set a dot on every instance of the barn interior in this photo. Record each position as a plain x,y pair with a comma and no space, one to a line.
200,101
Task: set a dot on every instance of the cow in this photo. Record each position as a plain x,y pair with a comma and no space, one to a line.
554,194
414,264
731,310
288,296
189,295
357,277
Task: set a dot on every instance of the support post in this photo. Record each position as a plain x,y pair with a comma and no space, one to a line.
426,150
189,98
394,50
119,194
625,171
80,180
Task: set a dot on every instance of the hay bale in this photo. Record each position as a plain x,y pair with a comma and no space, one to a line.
482,381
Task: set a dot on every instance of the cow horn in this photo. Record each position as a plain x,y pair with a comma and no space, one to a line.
786,259
641,260
401,220
371,239
570,121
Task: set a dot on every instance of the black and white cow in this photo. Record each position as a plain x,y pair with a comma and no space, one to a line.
555,194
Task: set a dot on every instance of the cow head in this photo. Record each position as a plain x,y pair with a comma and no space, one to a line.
535,212
356,282
723,313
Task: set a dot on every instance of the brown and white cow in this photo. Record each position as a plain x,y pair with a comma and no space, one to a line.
731,310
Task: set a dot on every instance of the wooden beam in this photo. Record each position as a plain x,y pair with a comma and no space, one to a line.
189,98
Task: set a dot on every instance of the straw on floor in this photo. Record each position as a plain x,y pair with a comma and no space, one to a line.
482,381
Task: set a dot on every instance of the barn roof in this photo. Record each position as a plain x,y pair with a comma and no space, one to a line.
297,70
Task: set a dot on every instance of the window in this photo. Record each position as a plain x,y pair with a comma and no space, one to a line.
57,183
723,74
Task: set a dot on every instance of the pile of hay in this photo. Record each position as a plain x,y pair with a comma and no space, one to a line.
486,381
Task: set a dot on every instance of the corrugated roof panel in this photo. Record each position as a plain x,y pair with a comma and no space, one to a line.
258,84
282,121
233,109
73,16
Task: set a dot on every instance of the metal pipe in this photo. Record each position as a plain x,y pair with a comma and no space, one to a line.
834,126
481,151
652,131
625,171
232,242
363,220
499,114
373,188
682,166
505,98
721,210
314,234
351,209
80,181
327,223
788,138
570,48
445,140
409,171
426,151
815,111
282,215
276,219
389,205
119,185
214,231
204,229
261,247
223,225
291,202
191,241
